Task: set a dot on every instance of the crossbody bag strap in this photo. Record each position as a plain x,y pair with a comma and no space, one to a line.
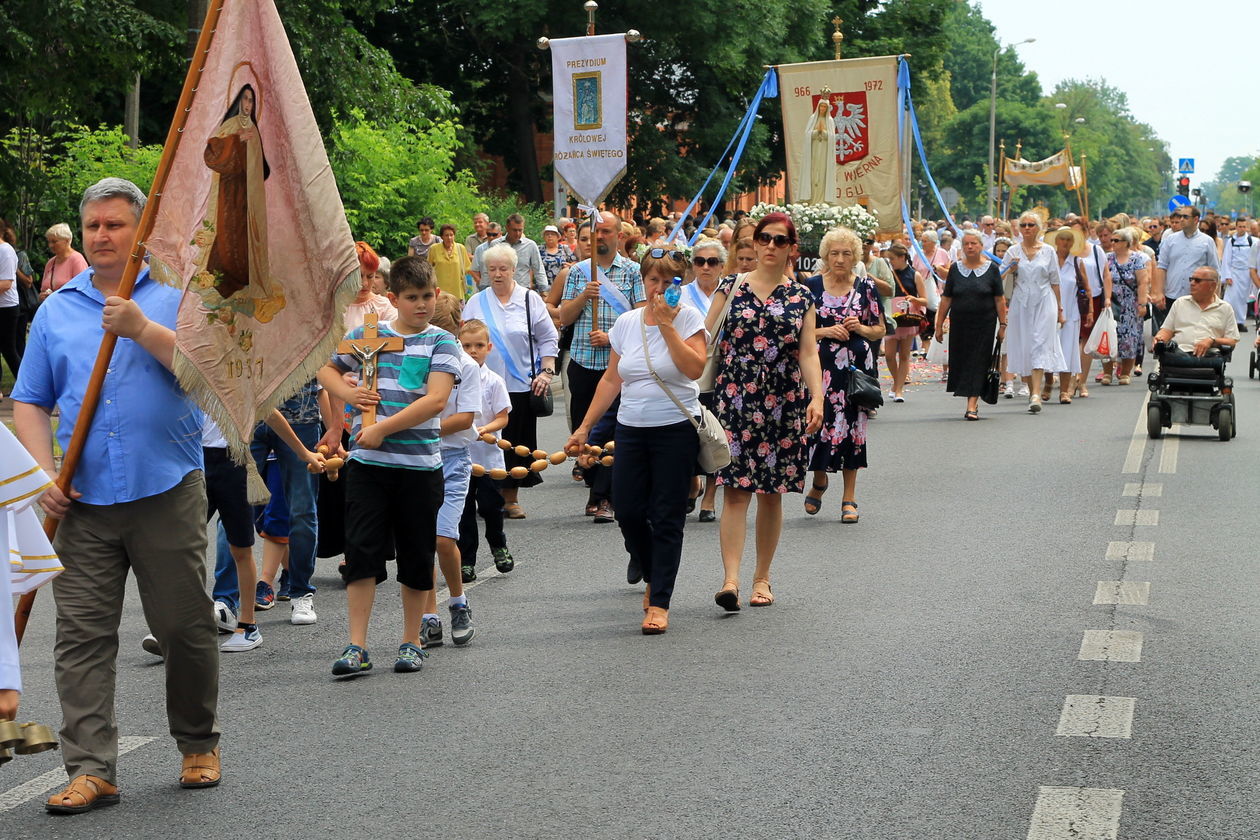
726,311
652,370
529,332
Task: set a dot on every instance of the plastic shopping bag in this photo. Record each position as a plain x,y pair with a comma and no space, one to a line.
938,353
1102,340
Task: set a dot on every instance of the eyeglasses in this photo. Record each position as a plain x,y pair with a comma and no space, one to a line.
1028,224
661,253
701,262
779,240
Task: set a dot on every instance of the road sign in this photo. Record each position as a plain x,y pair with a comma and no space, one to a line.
1185,166
1177,201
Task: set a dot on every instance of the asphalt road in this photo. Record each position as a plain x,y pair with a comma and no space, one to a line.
908,683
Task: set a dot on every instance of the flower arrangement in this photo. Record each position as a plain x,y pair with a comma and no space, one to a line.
813,220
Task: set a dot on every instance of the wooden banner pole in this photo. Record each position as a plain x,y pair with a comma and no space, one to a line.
92,396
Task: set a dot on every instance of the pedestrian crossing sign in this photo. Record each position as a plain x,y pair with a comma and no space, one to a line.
1185,166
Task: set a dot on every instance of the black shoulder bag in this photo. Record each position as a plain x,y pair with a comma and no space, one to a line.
542,405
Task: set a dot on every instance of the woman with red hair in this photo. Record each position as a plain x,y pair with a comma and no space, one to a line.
367,300
768,394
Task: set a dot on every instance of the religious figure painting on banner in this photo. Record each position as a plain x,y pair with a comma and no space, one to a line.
587,98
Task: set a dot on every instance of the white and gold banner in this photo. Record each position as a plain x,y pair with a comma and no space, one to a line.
589,109
840,129
1052,170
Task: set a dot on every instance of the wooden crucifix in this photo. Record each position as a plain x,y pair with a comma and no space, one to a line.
366,349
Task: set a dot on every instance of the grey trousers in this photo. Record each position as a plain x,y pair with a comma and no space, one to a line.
163,539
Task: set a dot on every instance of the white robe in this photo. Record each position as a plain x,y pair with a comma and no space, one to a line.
1070,332
1236,274
1032,339
32,561
805,190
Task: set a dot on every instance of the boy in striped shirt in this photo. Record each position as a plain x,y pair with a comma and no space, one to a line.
394,483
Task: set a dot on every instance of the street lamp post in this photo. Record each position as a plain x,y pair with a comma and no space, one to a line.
990,181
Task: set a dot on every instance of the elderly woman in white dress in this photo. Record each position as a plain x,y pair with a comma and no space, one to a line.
1068,244
525,343
708,261
1035,314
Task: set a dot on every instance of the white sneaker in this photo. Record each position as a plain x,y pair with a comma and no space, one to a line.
224,617
1023,390
242,640
150,645
303,610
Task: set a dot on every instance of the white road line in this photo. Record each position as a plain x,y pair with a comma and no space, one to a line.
444,592
45,782
1123,592
1168,451
1139,488
1137,446
1095,716
1137,517
1076,813
1131,550
1111,646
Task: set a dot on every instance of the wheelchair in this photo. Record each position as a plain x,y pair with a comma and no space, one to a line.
1191,390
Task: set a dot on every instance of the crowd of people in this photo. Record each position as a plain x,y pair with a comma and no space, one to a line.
646,329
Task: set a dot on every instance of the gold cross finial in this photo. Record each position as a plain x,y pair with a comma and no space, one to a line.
837,37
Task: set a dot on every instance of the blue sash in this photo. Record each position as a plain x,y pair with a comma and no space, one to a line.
695,297
613,297
494,323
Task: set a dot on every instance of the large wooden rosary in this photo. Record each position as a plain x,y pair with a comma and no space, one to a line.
541,459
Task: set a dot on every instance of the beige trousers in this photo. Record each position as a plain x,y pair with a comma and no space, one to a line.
163,539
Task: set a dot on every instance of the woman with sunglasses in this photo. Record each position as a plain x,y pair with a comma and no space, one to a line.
768,395
850,324
656,442
707,262
1036,313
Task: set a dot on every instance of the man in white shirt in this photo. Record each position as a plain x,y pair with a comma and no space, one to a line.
1236,270
1179,255
9,309
988,232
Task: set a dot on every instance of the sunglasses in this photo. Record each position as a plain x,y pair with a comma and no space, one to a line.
661,253
1201,280
1182,216
1027,224
779,240
701,262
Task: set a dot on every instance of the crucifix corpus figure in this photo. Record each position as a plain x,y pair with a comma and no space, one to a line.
366,349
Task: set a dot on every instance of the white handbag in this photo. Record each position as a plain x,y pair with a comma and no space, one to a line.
715,449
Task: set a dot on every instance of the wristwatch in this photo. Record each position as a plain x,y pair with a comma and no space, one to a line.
548,371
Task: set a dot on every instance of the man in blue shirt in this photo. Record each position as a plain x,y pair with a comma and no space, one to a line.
137,501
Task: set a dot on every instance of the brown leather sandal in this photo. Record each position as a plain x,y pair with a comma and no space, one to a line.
656,622
727,598
758,597
83,794
201,770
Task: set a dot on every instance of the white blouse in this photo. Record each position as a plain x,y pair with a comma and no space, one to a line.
512,361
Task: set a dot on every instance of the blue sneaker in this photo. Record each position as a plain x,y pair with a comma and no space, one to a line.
410,658
461,625
354,661
265,598
431,632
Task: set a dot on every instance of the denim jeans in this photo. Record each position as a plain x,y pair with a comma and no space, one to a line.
300,488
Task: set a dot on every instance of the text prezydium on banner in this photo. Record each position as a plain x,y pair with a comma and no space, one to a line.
589,109
840,131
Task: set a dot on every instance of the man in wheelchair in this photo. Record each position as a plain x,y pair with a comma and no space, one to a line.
1200,330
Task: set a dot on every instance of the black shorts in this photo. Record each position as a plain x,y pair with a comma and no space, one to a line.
225,494
391,513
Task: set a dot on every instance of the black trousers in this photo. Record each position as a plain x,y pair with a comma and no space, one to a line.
8,337
484,498
582,384
651,482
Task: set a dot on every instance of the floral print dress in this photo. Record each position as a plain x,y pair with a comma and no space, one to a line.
759,393
841,443
1124,295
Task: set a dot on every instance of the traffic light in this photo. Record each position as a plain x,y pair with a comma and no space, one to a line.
1183,185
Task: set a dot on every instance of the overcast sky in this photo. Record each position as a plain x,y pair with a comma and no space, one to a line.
1134,46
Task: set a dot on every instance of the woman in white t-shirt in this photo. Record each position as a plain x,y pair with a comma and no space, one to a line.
656,441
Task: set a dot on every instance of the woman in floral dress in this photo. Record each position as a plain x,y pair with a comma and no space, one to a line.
849,324
1131,272
767,355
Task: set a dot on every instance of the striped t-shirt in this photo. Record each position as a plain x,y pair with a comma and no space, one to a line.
401,379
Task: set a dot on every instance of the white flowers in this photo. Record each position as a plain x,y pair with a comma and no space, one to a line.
813,220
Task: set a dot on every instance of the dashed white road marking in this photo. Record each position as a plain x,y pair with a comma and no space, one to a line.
1076,813
1137,445
1122,592
1168,451
1131,550
1111,646
45,782
1143,488
1137,517
1096,716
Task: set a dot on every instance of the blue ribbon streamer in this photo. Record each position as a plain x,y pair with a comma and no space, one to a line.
495,327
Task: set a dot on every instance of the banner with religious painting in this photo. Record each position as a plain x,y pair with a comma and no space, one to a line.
251,225
589,111
840,132
1052,170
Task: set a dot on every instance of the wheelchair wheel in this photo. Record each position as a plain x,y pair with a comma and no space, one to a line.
1232,410
1154,422
1225,422
1253,367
